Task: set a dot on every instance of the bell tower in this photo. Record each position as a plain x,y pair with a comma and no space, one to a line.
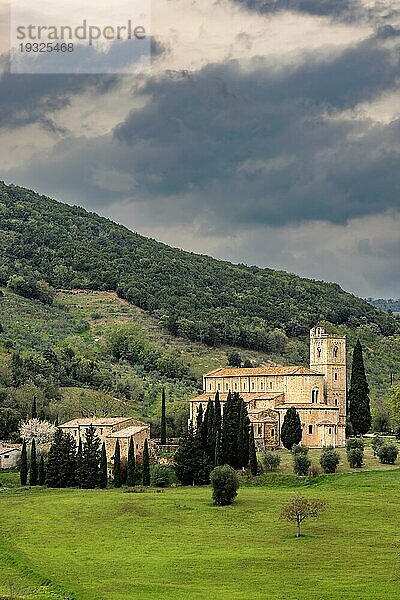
328,356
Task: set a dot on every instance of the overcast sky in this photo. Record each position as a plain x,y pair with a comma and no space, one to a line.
266,132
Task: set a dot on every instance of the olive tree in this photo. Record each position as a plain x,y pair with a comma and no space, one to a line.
300,508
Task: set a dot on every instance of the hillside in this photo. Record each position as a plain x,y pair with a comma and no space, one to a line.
388,305
196,297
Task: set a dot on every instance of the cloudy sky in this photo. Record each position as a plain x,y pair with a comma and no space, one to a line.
265,132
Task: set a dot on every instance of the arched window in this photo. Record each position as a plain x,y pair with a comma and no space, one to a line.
244,386
210,386
336,401
235,386
319,352
252,385
262,385
335,352
336,376
272,432
219,386
310,429
314,396
226,387
270,385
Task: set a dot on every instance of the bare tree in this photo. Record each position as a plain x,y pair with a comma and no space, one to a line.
300,508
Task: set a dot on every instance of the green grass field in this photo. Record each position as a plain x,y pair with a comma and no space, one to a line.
111,545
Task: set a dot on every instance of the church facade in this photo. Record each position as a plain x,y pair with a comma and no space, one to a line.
318,393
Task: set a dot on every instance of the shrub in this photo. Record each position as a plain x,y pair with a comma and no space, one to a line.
298,449
271,461
355,457
355,443
388,454
377,442
225,484
301,464
329,460
160,476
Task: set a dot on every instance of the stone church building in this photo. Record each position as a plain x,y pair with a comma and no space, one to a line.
317,393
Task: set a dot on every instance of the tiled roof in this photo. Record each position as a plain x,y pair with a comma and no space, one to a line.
247,396
96,421
128,431
263,370
8,450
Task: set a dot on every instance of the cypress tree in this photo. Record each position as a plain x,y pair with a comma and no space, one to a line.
163,419
358,398
291,432
23,467
204,427
103,467
199,418
217,431
243,436
91,458
191,462
117,465
33,466
131,469
252,453
210,441
34,409
80,468
61,461
42,472
230,427
146,464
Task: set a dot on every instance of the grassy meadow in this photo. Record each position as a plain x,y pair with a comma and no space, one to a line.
113,545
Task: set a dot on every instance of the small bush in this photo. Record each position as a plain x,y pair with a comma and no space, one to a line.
225,484
355,457
376,443
388,454
160,476
354,443
301,464
271,461
329,460
314,471
298,449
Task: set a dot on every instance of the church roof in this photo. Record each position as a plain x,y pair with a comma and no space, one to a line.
96,421
128,431
263,370
247,396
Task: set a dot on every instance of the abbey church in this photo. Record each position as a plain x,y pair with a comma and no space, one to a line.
317,393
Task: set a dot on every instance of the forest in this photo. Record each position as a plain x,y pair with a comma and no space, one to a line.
193,296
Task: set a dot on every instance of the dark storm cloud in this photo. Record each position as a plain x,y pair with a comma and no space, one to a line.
342,10
27,99
248,146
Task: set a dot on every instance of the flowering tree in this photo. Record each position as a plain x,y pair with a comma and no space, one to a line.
41,431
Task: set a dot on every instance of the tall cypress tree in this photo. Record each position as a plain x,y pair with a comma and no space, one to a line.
204,427
230,427
42,471
131,468
192,464
61,461
146,464
33,466
210,441
103,467
23,466
199,418
91,458
358,398
117,465
243,436
252,453
217,431
291,432
34,409
80,467
163,419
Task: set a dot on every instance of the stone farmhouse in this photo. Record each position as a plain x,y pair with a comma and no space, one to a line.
9,457
109,429
318,393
